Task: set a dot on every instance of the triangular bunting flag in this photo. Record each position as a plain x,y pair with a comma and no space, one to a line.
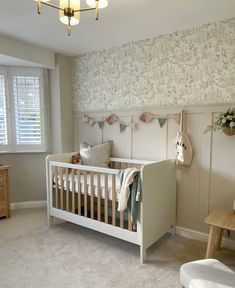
85,119
146,117
162,121
91,122
101,124
133,125
112,119
122,127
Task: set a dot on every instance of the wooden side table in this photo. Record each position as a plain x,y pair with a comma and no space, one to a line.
4,192
219,220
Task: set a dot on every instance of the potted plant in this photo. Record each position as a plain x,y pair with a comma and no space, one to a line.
224,122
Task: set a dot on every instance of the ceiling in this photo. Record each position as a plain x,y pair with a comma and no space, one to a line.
123,21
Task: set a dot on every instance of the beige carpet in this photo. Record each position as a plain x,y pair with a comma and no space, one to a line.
66,256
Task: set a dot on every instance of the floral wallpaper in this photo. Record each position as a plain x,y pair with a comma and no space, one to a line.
193,66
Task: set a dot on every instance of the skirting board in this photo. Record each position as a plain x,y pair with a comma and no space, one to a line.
29,204
200,236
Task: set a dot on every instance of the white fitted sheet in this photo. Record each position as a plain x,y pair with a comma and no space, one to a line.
102,181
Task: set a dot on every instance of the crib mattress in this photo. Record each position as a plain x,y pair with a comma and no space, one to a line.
82,186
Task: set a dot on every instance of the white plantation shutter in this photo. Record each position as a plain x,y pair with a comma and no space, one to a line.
22,117
3,112
27,110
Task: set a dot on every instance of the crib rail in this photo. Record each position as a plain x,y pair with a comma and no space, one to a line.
117,163
87,191
121,165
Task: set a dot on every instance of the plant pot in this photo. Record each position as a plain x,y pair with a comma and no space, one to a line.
229,132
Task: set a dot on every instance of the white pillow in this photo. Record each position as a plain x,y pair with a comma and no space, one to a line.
97,155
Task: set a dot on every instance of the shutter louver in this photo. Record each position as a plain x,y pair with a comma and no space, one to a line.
26,91
3,112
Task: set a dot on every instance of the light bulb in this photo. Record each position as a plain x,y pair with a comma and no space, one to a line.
75,5
102,3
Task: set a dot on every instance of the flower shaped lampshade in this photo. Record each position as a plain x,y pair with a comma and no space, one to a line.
102,3
75,5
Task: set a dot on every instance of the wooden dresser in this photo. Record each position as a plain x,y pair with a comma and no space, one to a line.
4,192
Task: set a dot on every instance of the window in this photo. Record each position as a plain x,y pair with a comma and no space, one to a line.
22,116
3,111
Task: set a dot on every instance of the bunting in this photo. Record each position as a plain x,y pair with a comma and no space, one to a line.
85,119
145,117
133,125
122,126
101,124
112,119
91,121
161,121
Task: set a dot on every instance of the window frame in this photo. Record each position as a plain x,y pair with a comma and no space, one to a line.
12,146
5,73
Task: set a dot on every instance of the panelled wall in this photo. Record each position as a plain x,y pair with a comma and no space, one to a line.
207,184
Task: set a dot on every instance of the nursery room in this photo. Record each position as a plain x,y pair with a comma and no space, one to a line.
117,143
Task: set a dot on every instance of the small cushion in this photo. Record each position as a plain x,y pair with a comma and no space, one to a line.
97,155
207,273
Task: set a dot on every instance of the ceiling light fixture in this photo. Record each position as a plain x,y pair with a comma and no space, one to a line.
69,10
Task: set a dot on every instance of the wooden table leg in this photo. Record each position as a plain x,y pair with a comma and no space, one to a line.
211,241
219,238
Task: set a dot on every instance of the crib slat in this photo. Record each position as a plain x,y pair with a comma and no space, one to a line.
56,188
73,192
92,194
67,189
106,219
121,220
85,193
52,186
129,221
99,198
114,200
61,189
79,192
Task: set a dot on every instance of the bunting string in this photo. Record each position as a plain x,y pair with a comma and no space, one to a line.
145,117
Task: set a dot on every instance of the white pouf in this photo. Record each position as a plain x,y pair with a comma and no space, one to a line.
206,273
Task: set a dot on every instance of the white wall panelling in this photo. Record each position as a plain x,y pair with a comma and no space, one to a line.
149,141
207,184
189,178
222,171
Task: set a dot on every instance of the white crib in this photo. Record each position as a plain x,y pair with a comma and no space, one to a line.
87,196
